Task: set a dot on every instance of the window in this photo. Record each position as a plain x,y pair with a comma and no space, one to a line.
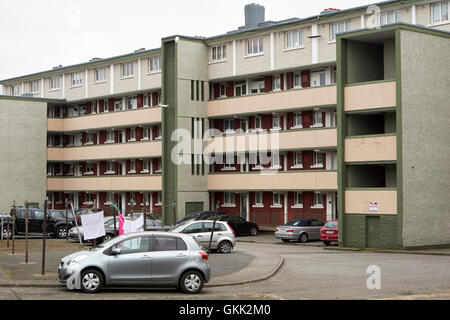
318,160
439,12
293,39
297,80
258,123
298,121
317,122
276,160
169,244
145,166
390,17
15,90
133,134
158,132
298,159
276,199
223,90
255,46
229,161
131,103
193,228
146,102
134,245
240,88
333,75
318,199
127,69
111,167
105,106
118,104
88,198
207,227
276,122
77,79
258,198
89,138
110,136
133,165
257,86
34,86
89,168
229,125
109,197
218,53
277,83
228,198
342,26
100,74
298,198
54,83
158,170
145,135
155,64
318,78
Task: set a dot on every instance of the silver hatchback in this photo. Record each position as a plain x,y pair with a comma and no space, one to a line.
142,258
223,240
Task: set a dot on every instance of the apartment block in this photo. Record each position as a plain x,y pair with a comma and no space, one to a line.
312,117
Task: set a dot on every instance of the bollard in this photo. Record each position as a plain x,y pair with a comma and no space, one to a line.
7,233
213,226
26,231
44,237
115,227
174,204
13,230
2,231
67,222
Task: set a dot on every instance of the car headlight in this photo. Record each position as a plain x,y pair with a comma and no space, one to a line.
78,259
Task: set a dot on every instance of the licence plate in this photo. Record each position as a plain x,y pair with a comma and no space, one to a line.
329,232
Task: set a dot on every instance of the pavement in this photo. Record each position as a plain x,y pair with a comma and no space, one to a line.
244,265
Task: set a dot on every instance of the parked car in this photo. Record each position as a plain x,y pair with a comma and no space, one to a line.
329,232
56,224
144,259
223,238
151,225
4,221
240,226
299,230
200,215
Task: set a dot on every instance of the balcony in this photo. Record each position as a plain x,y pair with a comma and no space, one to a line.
274,101
289,181
117,183
150,149
359,201
288,140
370,96
380,148
106,120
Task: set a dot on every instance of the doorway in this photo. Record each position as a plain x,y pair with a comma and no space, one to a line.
244,206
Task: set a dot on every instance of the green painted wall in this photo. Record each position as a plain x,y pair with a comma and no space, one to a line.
23,152
426,150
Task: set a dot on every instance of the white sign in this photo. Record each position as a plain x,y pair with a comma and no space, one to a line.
373,206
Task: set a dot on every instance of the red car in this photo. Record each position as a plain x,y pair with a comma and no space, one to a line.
329,232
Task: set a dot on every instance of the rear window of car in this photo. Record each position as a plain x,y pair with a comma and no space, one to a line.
297,223
169,244
331,224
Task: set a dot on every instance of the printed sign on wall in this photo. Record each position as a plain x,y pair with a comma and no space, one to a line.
373,206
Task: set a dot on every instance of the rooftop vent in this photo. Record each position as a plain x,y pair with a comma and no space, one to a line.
139,50
94,59
254,15
330,10
57,67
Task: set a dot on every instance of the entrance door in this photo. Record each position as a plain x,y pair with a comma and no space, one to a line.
244,206
372,232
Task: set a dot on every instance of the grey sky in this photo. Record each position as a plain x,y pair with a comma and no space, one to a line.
37,35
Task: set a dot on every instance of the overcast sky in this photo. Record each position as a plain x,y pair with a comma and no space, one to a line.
37,35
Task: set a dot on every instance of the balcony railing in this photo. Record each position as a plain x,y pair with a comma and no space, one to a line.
365,149
380,94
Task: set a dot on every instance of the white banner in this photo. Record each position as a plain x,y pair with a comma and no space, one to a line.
93,225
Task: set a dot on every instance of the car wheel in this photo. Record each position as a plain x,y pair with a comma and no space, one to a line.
91,281
225,247
254,232
191,282
285,240
61,232
303,238
107,237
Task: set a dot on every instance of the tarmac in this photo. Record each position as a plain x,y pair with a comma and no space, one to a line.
14,272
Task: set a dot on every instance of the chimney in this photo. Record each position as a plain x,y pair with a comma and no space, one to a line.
254,15
330,10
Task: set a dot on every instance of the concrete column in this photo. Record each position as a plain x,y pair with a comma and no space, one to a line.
315,43
272,51
139,75
111,79
285,207
413,14
86,84
329,206
234,58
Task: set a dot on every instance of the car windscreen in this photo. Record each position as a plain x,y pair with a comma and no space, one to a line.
177,228
331,224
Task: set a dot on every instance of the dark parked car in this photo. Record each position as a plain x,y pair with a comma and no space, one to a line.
201,215
56,222
4,221
240,226
299,230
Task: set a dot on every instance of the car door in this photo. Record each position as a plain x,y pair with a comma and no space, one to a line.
316,225
133,264
36,221
206,235
195,230
169,255
20,220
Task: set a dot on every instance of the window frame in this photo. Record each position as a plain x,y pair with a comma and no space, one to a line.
290,35
126,70
97,73
154,62
77,79
440,19
257,43
346,24
215,57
